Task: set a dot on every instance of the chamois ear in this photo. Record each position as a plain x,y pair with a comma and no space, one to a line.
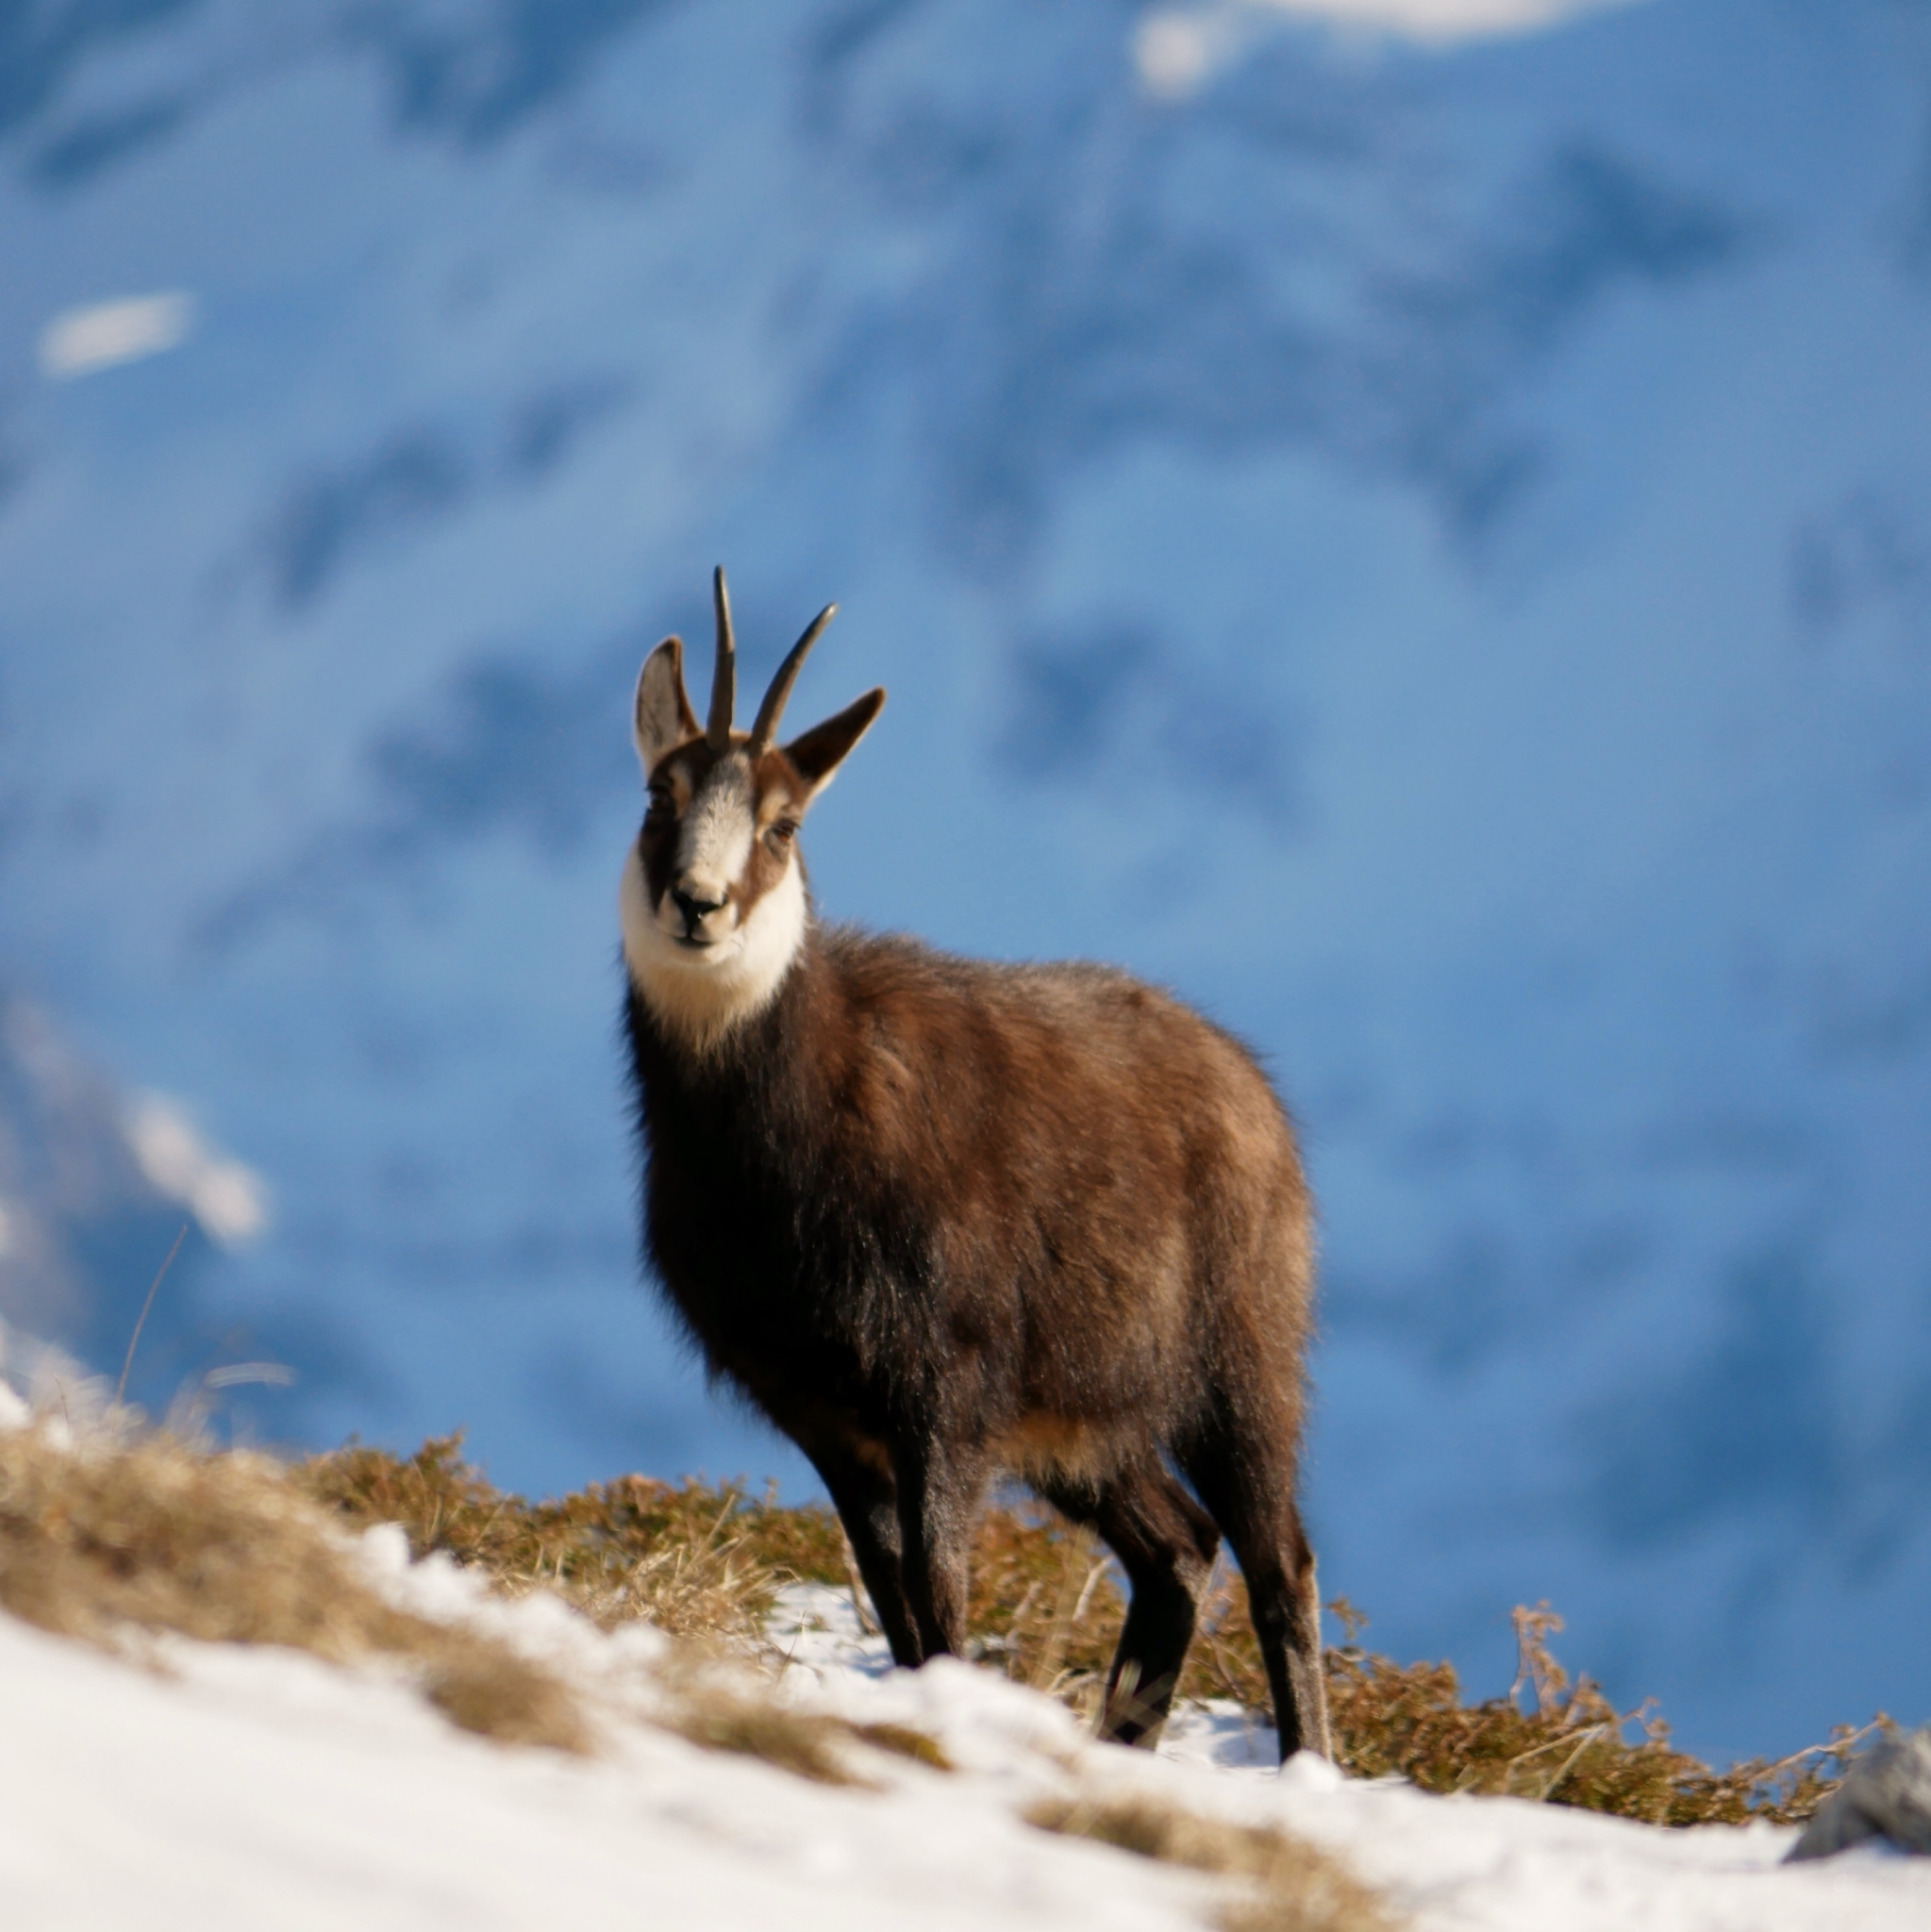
662,716
818,753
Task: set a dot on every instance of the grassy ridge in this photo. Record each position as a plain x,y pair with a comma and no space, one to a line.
1046,1608
120,1538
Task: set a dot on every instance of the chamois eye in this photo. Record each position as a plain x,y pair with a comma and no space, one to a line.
660,801
785,831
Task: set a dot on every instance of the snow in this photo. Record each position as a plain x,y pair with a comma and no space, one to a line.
104,334
218,1788
1179,49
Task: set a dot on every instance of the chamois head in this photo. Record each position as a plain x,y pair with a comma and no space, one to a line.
712,899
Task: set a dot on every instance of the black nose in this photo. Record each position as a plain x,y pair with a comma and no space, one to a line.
692,909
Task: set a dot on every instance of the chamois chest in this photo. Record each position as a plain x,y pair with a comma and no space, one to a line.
777,1255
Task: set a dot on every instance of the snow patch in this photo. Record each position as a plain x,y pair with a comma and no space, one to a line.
79,341
230,1201
1178,49
243,1776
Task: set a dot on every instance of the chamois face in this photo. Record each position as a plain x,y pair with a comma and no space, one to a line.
713,894
713,901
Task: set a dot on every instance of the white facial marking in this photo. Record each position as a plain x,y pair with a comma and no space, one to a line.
703,992
713,842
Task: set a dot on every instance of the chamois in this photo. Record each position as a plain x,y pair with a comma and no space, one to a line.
938,1218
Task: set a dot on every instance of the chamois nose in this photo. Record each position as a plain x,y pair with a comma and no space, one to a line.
695,911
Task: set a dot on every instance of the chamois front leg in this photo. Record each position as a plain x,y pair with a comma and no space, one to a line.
938,1485
859,1481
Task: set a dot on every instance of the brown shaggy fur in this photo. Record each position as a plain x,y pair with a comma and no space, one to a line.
938,1218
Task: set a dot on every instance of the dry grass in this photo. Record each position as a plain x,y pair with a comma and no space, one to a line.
113,1539
694,1561
1045,1606
1548,1740
1046,1610
1276,1882
699,1562
1557,1742
721,1711
712,1702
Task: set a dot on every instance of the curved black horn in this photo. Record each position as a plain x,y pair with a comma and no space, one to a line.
724,680
772,709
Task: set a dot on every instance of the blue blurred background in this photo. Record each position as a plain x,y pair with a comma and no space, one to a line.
1409,522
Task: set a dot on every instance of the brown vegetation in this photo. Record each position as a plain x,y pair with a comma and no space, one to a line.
1557,1742
154,1536
1277,1883
696,1561
723,1709
113,1540
1046,1608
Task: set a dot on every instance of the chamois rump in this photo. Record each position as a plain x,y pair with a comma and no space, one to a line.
938,1218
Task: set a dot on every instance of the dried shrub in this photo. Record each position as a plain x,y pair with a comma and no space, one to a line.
698,1562
901,1740
724,1715
111,1538
1277,1883
1046,1608
1039,1611
693,1559
486,1689
1548,1740
1558,1742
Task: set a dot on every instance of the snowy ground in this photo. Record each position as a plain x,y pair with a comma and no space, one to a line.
227,1790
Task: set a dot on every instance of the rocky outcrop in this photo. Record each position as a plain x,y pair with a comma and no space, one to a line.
1887,1795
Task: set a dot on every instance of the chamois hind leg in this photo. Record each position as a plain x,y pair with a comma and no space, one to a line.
866,1498
1166,1543
1247,1483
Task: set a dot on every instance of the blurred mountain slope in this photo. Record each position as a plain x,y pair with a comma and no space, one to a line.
1424,551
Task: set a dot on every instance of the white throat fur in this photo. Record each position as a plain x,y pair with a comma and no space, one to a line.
703,995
